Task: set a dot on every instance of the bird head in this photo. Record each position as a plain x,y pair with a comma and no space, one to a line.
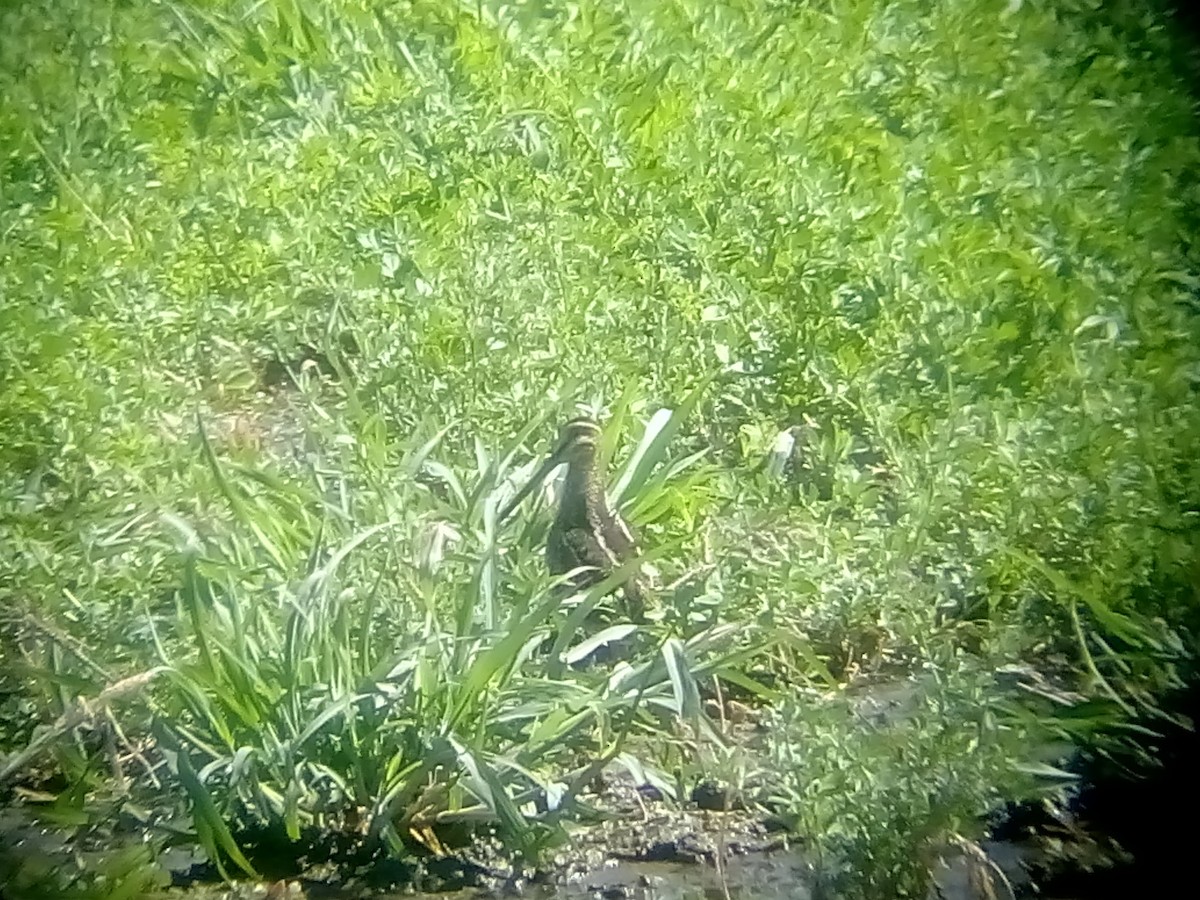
577,442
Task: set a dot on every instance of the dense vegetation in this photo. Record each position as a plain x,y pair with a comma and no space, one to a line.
889,310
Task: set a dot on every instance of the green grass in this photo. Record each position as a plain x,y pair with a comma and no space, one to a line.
376,251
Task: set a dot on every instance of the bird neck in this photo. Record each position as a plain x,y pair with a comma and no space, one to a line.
583,488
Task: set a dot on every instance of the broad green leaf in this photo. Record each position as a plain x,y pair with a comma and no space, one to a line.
587,647
683,684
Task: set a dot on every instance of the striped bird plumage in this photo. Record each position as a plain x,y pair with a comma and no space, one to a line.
586,532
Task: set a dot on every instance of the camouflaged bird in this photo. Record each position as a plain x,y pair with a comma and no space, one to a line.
585,532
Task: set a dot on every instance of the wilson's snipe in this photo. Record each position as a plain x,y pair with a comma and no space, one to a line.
586,532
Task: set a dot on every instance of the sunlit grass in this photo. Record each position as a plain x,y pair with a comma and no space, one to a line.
294,295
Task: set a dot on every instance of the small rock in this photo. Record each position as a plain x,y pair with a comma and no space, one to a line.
711,796
661,851
650,792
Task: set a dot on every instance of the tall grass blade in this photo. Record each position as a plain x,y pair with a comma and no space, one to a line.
683,684
210,826
588,646
653,447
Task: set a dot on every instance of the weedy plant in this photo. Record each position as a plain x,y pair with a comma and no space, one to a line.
322,668
885,793
934,261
